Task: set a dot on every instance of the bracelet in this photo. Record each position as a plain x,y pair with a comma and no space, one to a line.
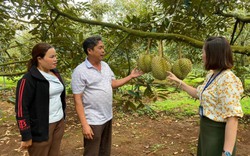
226,153
180,84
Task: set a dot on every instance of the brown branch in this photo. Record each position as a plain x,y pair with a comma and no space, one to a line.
13,74
240,17
241,29
16,19
124,39
10,47
159,36
9,63
154,35
234,31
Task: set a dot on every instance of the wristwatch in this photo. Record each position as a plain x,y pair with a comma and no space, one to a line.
227,153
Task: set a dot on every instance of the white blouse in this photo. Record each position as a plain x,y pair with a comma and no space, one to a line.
55,103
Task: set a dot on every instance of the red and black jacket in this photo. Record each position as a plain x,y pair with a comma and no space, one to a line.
32,105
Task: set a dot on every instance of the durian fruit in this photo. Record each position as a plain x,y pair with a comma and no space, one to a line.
169,66
144,63
182,67
160,67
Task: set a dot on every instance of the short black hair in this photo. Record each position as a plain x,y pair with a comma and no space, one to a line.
218,53
91,42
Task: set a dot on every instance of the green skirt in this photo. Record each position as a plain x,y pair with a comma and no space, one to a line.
211,138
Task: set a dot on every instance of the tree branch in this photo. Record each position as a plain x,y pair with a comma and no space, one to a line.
243,24
124,38
160,36
234,31
15,62
13,74
240,17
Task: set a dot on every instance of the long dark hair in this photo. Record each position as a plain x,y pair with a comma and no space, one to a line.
39,50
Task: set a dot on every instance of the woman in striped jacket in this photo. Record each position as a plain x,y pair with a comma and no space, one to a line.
40,104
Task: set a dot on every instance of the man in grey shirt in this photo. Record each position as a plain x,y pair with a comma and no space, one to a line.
92,85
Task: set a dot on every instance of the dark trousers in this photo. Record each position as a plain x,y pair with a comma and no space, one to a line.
211,138
52,146
101,143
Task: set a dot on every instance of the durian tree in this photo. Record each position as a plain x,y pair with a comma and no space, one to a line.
125,26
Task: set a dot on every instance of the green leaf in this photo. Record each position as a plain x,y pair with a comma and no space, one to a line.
12,100
132,93
81,37
148,91
131,105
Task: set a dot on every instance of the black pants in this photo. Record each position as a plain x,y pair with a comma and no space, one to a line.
101,143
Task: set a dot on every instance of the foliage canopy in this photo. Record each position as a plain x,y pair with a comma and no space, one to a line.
125,26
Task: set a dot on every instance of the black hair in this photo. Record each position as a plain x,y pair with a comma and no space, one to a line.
90,43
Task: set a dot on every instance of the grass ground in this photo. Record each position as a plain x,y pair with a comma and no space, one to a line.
177,102
170,129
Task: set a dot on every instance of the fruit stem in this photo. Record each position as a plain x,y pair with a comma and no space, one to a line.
149,45
160,48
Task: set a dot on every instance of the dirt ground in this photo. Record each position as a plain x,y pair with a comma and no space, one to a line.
133,135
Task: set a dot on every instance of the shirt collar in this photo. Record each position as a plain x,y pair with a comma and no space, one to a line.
88,64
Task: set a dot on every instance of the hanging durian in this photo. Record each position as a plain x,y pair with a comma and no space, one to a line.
160,65
144,61
182,67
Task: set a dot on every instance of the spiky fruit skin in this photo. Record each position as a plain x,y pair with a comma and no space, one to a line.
140,62
144,63
169,66
160,67
182,67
